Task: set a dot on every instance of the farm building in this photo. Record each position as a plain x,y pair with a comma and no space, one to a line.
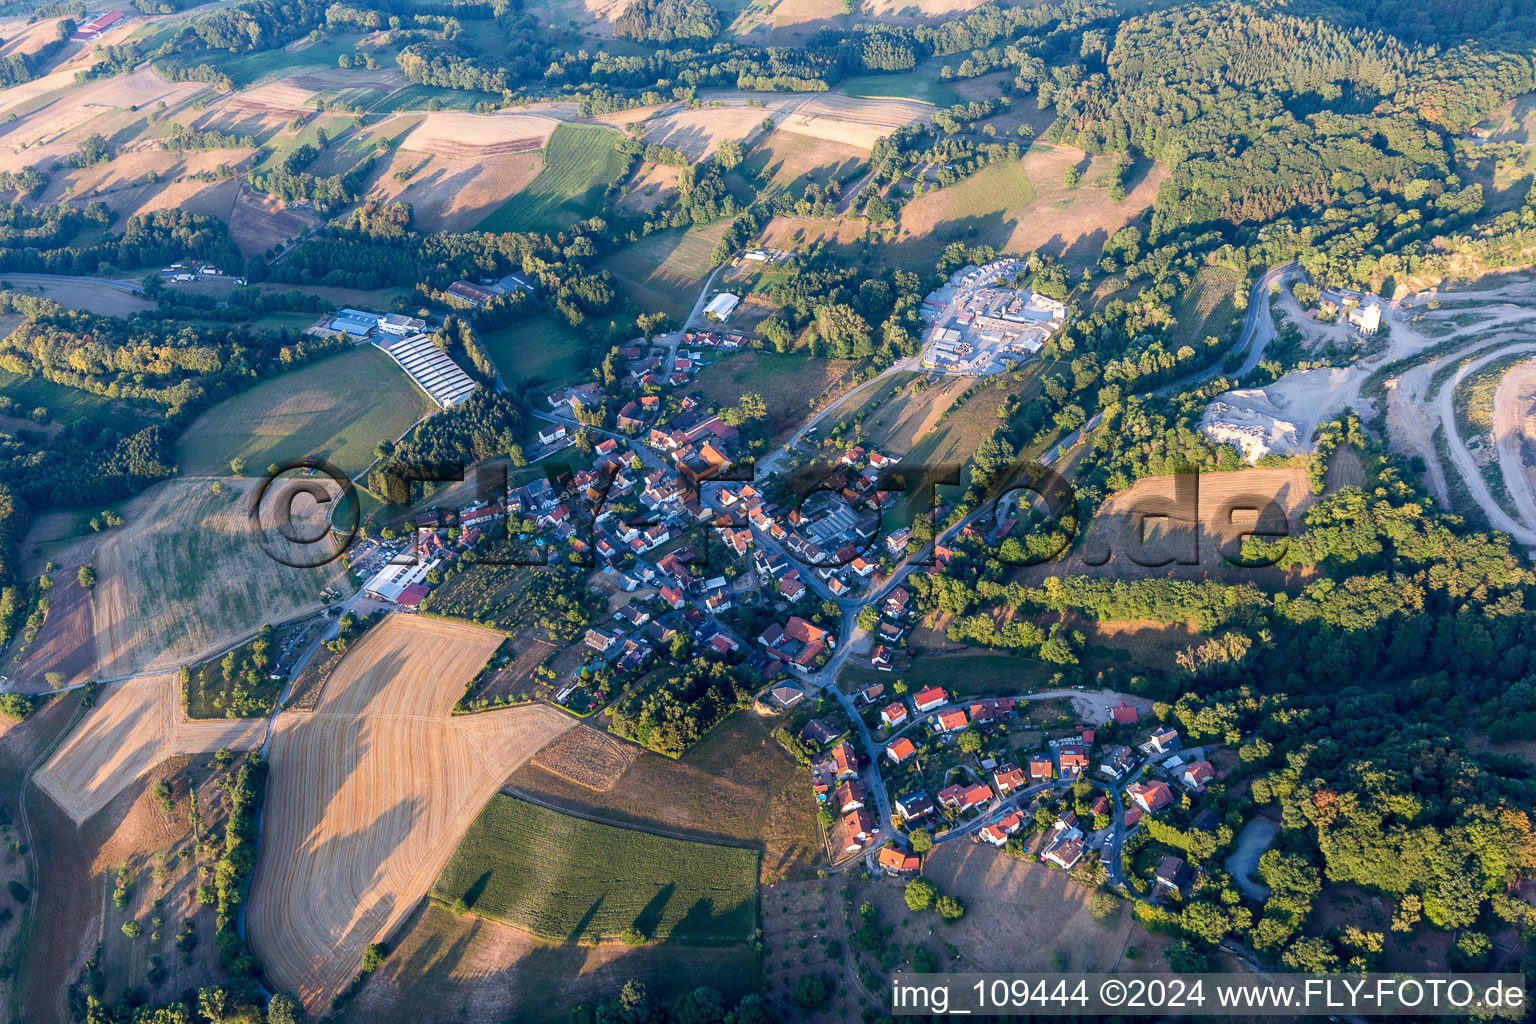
400,325
470,293
722,304
392,582
97,25
354,322
430,367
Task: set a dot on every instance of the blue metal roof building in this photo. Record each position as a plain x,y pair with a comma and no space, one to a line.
355,322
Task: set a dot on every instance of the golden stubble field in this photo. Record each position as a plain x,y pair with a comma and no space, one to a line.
136,725
370,793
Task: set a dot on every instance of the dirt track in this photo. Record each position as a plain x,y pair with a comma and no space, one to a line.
1510,401
1470,475
370,793
135,725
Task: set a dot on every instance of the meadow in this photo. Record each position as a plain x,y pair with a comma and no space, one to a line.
662,272
568,879
258,66
788,383
69,405
912,85
795,161
339,408
580,163
427,97
539,349
207,693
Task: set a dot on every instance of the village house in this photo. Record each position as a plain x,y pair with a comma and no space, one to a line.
855,830
846,759
880,658
1117,762
1152,796
1124,714
895,861
867,695
997,832
1164,740
900,750
1041,768
893,714
1065,855
1174,874
929,698
600,641
1008,778
849,797
1073,758
952,720
965,798
914,806
896,603
1197,774
786,696
818,732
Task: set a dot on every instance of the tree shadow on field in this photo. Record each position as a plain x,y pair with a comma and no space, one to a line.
648,921
477,889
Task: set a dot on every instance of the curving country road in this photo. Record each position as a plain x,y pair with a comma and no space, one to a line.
1258,325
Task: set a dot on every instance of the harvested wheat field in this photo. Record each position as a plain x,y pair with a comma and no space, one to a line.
286,96
852,121
1191,525
135,725
188,575
370,793
449,194
587,757
124,183
471,136
67,643
698,133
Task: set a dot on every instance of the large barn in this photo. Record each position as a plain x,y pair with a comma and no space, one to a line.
429,366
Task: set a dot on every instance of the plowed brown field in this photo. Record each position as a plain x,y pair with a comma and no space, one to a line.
370,793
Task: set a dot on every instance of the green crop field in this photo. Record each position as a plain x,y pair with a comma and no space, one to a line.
912,85
572,880
541,349
340,407
580,163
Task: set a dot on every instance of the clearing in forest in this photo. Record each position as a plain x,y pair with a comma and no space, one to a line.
370,793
